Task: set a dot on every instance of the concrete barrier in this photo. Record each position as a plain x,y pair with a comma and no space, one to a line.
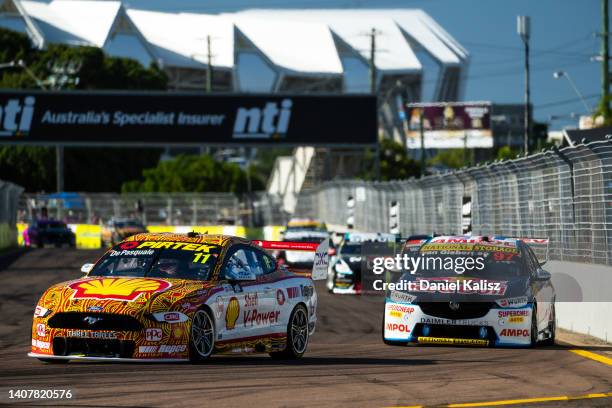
584,297
88,235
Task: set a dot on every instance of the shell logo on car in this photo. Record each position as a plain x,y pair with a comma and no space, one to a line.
231,314
124,289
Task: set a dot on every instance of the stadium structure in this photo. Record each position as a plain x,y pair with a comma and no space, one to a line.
266,50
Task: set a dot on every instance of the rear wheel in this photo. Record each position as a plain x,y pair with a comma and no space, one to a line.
297,335
202,336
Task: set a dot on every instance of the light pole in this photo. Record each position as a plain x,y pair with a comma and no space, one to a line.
523,27
563,74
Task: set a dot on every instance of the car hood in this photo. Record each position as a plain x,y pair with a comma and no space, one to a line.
127,295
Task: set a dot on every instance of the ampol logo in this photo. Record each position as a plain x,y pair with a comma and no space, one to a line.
16,117
258,123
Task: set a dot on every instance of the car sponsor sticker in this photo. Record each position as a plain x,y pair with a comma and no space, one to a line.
123,289
250,299
401,297
514,333
255,318
451,341
293,292
88,334
43,345
232,313
280,297
41,330
153,334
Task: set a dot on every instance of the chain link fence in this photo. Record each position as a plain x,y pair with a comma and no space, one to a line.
564,195
256,209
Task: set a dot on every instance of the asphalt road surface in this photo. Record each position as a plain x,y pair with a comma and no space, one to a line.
346,364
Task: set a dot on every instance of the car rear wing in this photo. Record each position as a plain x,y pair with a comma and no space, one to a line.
321,250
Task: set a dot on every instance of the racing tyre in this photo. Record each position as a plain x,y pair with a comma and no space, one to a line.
552,328
534,327
201,337
297,335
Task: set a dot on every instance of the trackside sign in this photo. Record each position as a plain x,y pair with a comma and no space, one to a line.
82,118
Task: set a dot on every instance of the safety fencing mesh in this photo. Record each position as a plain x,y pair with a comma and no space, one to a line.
564,195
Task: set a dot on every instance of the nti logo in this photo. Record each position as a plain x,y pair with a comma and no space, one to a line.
257,123
16,117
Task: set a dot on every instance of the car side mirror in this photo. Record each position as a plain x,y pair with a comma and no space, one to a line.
543,275
86,268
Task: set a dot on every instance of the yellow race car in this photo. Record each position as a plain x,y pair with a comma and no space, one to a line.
171,297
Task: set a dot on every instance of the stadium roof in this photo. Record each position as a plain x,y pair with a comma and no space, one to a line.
298,43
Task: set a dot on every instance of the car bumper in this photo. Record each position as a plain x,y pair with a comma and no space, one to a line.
408,323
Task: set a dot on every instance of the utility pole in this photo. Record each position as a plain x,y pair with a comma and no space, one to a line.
523,29
209,68
59,168
605,55
422,131
372,61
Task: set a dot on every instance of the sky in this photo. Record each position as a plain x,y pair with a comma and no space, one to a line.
563,37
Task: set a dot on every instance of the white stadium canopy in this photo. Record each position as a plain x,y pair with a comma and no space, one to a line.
259,50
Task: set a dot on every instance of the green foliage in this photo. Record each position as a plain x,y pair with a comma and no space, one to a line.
29,166
450,158
507,153
190,173
395,164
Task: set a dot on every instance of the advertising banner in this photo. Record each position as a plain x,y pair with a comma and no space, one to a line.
450,125
163,118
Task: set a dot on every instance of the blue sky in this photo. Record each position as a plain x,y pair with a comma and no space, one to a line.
562,39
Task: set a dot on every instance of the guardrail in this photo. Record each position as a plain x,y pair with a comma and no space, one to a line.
561,194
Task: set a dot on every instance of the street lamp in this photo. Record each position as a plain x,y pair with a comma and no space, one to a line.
561,74
523,28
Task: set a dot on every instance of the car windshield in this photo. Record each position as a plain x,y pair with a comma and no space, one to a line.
159,259
351,249
473,260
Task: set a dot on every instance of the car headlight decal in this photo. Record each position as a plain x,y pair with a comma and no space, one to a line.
41,312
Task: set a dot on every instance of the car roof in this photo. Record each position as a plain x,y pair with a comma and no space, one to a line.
215,239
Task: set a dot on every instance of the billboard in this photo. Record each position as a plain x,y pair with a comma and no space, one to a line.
164,118
450,125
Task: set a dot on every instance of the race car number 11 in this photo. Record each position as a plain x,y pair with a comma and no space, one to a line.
200,257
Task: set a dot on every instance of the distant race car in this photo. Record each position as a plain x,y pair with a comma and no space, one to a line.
348,261
48,232
118,229
304,224
172,297
301,259
510,301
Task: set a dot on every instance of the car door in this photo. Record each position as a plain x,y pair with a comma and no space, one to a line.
541,289
246,310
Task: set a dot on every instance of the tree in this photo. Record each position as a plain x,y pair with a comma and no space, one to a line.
395,164
449,158
190,173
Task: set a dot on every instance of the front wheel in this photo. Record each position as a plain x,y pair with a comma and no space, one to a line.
202,336
297,335
552,328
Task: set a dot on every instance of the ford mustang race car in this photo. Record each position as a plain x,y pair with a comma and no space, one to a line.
504,299
301,259
171,297
48,232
